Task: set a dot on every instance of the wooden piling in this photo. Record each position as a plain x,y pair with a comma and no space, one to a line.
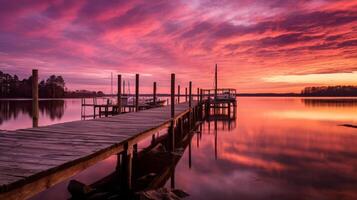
35,98
178,93
190,95
198,94
119,94
186,94
137,92
215,83
201,95
154,93
172,129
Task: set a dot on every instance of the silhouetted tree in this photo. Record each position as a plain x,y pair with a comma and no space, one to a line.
53,87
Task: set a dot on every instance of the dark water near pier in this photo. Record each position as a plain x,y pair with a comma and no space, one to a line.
276,148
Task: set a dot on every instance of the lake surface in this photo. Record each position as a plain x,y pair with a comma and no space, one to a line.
276,148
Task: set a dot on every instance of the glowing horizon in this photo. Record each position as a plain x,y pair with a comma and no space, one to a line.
259,46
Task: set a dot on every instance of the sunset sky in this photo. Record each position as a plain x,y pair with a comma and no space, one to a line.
259,46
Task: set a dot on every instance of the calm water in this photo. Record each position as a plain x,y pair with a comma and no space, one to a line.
276,148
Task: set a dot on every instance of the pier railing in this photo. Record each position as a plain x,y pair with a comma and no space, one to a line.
219,94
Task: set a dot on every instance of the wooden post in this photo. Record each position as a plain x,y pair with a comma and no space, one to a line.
119,93
190,95
124,88
201,95
137,92
198,94
178,93
35,98
185,94
201,105
172,129
209,104
215,82
154,93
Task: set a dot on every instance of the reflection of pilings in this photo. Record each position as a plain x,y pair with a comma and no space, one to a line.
215,139
126,180
35,98
198,139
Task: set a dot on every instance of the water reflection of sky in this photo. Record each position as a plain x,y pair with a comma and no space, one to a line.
276,156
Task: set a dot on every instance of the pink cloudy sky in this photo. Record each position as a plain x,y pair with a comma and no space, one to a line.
260,46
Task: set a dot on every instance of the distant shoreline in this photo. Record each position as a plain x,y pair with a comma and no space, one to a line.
168,95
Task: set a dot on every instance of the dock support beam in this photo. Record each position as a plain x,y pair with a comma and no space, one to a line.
35,98
172,126
119,93
137,92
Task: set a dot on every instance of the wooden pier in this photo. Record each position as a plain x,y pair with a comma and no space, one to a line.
37,158
34,159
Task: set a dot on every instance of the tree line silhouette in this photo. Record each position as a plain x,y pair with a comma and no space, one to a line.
330,91
52,87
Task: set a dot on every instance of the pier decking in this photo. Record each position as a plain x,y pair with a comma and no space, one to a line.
34,159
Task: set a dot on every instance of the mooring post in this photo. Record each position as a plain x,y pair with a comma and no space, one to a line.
106,109
186,94
172,128
178,93
137,92
190,105
198,94
35,98
198,103
119,93
154,94
201,105
209,104
190,95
